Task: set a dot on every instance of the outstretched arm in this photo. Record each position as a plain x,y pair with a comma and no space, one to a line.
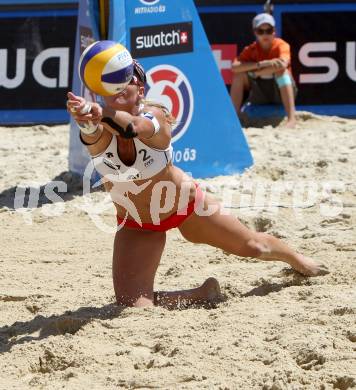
151,128
86,116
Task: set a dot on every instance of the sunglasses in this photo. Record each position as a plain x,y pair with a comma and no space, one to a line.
134,81
264,31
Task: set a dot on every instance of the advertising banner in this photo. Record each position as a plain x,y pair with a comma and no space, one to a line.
168,39
36,62
324,58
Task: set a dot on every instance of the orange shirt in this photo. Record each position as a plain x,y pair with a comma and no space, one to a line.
255,53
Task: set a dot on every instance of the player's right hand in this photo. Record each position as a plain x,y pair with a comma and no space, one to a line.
83,111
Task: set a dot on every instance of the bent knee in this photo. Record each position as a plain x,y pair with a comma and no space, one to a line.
282,72
190,233
193,238
241,76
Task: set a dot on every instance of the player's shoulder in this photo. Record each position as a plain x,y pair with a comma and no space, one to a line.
155,109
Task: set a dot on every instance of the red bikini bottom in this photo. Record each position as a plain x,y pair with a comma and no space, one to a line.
170,222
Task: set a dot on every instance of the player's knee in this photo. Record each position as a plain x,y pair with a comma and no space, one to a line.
190,236
240,77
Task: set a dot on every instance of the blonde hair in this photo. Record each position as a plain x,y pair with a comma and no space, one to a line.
169,117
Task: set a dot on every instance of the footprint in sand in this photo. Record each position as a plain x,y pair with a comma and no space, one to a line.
307,359
12,298
62,326
321,164
51,362
344,383
174,270
341,219
341,311
263,224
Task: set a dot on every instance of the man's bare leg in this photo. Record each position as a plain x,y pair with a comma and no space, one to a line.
239,85
288,100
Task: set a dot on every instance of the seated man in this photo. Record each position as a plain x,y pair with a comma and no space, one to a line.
264,69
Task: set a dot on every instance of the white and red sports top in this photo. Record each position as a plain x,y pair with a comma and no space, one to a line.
148,162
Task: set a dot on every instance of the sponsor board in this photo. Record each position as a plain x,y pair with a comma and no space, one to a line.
183,75
323,55
162,39
35,61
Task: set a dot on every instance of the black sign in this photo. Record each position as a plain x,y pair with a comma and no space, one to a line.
228,28
231,27
161,39
323,48
36,61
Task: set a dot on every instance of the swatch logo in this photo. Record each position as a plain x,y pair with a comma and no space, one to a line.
161,39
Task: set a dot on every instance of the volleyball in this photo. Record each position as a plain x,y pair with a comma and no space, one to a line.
105,68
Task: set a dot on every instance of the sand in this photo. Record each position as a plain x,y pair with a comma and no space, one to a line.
60,328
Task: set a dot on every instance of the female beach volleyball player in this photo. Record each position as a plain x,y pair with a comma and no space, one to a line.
129,140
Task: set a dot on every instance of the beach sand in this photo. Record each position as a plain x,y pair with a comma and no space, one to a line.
60,328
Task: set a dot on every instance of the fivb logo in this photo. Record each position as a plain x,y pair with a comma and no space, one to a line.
169,85
150,7
149,2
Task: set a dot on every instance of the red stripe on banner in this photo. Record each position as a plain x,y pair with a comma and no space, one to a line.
164,75
172,94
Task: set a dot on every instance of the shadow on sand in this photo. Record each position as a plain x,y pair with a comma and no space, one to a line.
68,322
73,183
268,288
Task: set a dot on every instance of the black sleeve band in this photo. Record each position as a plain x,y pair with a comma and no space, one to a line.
128,133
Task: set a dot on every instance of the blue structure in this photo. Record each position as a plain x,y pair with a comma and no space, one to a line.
170,42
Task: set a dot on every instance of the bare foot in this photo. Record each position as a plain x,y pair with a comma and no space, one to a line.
210,290
290,124
143,302
207,293
308,267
